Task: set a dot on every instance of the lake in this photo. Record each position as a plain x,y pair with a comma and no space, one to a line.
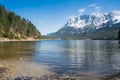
86,58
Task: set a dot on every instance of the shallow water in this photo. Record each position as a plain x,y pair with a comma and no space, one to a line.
85,58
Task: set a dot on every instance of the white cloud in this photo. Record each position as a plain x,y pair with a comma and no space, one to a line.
97,7
92,5
81,10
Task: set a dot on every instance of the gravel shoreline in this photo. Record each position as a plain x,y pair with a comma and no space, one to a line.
22,70
78,77
10,40
27,70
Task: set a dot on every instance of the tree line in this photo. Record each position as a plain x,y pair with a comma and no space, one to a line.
13,26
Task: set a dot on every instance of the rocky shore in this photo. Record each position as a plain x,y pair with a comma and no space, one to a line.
22,70
27,70
72,76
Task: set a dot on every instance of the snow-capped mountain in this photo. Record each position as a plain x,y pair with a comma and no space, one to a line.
94,21
89,23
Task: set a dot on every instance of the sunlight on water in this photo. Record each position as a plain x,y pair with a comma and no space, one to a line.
68,56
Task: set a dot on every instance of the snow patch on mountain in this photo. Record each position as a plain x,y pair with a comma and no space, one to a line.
88,23
95,19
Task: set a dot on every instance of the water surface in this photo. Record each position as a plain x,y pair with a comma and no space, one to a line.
86,58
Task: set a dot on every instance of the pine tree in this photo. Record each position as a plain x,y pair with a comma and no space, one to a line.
14,27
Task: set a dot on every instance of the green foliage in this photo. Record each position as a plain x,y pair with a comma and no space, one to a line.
14,27
47,37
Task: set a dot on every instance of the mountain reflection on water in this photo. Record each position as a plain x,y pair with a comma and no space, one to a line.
80,56
86,57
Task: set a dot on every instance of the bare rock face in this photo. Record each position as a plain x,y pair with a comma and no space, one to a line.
88,23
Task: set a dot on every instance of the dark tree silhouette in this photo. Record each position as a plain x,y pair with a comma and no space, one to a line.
119,34
119,38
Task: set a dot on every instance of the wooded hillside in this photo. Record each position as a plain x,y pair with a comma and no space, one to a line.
13,26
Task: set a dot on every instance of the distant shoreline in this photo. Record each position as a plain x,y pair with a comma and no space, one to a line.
10,40
32,39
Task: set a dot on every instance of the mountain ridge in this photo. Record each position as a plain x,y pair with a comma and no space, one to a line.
85,24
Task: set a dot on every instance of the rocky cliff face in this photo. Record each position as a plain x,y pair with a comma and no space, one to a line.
89,23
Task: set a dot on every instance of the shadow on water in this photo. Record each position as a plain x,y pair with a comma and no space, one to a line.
16,50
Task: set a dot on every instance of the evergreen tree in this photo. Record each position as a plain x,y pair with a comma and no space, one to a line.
119,34
14,27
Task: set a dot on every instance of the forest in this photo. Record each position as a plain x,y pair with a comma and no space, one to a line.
13,26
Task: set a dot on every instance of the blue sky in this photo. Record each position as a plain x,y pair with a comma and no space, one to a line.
50,15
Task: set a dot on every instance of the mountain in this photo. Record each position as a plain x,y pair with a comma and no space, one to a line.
13,26
106,25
